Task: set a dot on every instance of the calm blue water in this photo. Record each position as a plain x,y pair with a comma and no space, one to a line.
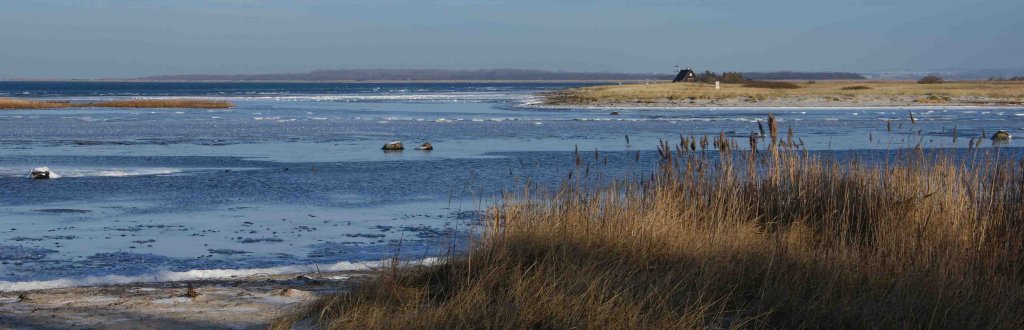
294,174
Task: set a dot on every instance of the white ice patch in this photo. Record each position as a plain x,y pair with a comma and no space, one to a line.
197,274
395,95
136,172
118,172
91,172
443,97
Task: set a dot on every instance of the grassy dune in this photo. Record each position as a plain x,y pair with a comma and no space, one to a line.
896,93
8,103
761,240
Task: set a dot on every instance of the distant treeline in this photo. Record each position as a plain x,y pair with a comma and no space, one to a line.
483,74
1016,78
789,75
726,77
421,74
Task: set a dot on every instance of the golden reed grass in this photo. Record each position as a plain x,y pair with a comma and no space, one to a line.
767,238
8,103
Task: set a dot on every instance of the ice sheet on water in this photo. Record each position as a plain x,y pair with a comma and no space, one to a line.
72,172
121,172
227,251
399,96
18,252
63,211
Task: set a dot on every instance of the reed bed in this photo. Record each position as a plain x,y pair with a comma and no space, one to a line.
717,237
8,103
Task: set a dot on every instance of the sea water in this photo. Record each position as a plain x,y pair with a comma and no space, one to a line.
293,177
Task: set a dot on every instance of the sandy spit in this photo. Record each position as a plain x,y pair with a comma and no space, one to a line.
564,99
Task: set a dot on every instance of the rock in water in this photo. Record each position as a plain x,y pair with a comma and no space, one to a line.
40,173
1001,136
425,146
393,145
615,113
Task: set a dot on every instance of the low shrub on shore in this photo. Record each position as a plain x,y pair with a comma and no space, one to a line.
855,88
771,84
930,79
7,103
751,239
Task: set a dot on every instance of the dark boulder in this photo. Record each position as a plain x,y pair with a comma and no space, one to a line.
1001,136
393,145
41,173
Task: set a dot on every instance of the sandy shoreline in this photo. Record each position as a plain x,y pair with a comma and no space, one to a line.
248,302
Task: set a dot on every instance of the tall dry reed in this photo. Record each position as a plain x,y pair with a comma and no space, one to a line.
785,240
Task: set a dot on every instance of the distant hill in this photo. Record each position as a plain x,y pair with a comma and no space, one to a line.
416,75
481,75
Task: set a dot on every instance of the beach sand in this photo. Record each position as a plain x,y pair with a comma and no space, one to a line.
236,303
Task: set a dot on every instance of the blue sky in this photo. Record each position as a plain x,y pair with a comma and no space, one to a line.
122,38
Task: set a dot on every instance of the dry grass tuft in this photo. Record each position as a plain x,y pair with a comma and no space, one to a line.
933,99
771,84
775,239
7,103
191,292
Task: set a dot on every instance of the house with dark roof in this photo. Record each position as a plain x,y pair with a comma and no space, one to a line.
685,75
